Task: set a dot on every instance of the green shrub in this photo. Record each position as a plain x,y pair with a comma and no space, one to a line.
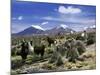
13,51
16,62
59,61
80,47
36,58
72,53
90,41
49,50
61,49
91,38
53,57
29,59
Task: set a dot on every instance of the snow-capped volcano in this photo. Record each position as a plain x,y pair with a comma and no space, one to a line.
38,27
62,28
33,29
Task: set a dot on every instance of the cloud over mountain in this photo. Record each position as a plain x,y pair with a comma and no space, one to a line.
43,23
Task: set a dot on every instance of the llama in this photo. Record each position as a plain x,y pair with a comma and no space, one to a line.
30,47
84,35
24,50
50,41
40,49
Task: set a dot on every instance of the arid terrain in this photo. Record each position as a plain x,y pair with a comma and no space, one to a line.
35,64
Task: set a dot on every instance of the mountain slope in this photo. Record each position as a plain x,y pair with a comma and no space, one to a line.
30,31
60,29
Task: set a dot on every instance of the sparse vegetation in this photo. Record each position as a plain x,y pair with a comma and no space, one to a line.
60,55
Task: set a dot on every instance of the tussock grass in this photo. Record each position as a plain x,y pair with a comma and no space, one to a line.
88,63
59,61
54,57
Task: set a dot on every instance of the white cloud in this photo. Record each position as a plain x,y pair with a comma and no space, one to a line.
76,20
20,17
44,23
17,18
69,10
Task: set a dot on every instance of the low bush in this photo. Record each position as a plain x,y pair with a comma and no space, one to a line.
49,50
54,57
72,53
91,38
59,61
80,47
13,51
16,62
90,41
62,50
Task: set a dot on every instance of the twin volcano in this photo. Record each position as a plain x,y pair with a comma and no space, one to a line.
39,30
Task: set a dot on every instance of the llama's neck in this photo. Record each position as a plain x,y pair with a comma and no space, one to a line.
30,47
29,44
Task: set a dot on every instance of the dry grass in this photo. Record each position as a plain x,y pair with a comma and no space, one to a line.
88,63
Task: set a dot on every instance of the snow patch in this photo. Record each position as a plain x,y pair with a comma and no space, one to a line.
85,28
38,27
64,26
93,26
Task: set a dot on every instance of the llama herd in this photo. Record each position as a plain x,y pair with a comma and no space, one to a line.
72,47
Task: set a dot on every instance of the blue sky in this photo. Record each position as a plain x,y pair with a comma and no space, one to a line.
50,15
